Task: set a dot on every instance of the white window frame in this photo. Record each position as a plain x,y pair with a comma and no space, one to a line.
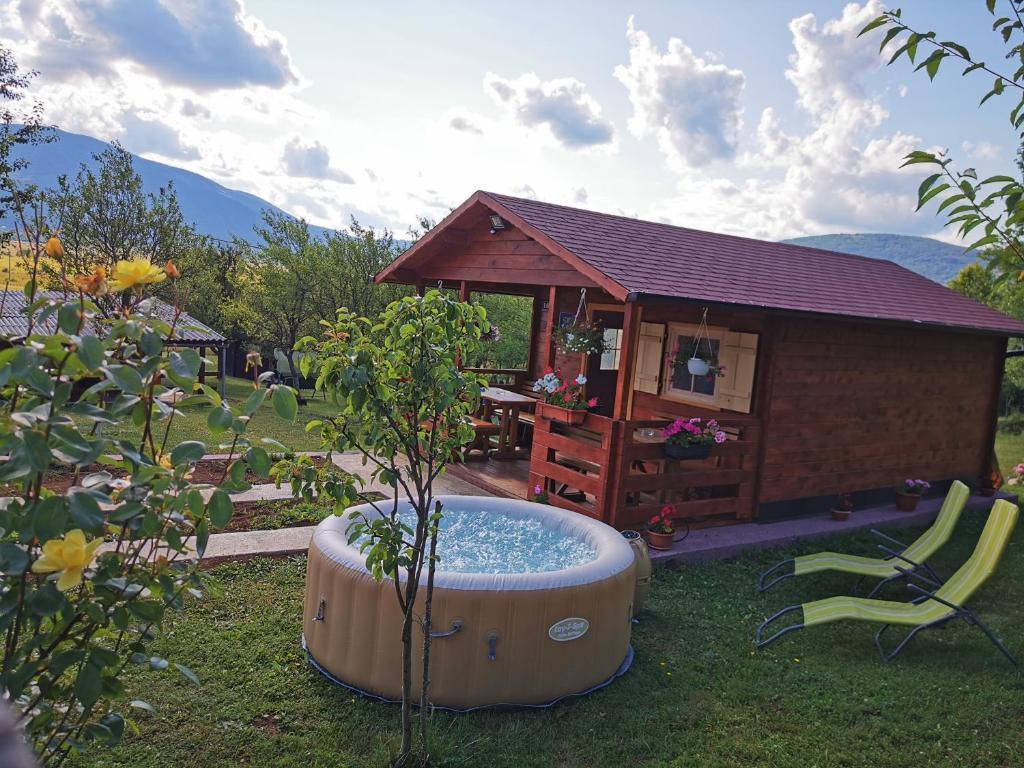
615,350
667,391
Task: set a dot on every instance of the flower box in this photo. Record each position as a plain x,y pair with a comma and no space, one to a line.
676,451
565,415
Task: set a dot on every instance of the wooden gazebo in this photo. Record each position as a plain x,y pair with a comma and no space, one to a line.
844,374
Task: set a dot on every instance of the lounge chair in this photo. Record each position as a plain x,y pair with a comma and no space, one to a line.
937,605
891,568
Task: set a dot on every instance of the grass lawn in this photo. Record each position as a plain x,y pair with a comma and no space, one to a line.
264,423
1010,452
698,693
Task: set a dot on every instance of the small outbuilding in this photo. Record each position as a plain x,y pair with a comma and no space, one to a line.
188,332
842,374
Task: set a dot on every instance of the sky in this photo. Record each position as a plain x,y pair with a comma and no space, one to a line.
766,119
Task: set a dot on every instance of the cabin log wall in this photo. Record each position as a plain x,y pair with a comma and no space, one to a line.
858,406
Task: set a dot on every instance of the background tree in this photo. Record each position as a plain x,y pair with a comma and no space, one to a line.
105,216
990,210
20,205
356,255
278,284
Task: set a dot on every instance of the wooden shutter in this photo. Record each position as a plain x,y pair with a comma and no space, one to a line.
648,357
738,353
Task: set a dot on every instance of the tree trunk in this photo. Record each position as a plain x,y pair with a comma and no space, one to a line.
405,751
428,603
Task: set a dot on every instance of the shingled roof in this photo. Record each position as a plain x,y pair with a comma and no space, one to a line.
644,258
189,331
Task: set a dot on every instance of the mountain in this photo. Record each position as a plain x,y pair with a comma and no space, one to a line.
214,209
934,259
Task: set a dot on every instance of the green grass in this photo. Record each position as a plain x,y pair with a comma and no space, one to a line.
265,422
1010,452
698,693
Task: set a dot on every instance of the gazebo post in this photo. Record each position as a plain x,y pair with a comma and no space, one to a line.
221,372
202,364
627,360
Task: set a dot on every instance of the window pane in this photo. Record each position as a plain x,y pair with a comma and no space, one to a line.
612,346
705,385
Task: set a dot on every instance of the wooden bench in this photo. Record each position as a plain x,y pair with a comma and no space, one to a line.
479,449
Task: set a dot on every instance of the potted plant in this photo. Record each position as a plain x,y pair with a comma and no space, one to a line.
580,337
540,495
843,508
691,438
563,400
908,494
660,530
685,352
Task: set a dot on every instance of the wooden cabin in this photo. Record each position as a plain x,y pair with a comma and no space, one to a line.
844,374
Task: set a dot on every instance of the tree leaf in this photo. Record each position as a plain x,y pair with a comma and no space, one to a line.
285,404
189,450
220,507
88,685
219,419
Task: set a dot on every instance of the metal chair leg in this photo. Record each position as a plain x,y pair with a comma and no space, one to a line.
785,631
763,587
971,618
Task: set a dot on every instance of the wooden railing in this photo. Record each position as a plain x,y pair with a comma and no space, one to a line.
509,378
712,491
616,471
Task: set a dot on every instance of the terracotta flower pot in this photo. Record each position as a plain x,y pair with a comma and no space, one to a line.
566,415
842,515
660,540
676,451
907,502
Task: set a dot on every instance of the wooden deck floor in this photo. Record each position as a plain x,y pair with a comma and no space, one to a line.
502,478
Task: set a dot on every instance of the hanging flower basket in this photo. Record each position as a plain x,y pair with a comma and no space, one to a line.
580,338
698,367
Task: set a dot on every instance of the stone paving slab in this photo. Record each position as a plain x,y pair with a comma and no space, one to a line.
730,540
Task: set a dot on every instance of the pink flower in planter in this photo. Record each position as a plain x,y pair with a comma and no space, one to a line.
720,437
592,402
537,489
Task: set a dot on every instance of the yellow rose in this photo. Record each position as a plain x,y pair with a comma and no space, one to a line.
54,249
68,557
132,273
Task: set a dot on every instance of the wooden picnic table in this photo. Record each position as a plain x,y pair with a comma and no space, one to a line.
510,404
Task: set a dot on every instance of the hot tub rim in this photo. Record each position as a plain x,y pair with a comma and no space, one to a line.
614,554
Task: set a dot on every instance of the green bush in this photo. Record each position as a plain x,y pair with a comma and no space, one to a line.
86,577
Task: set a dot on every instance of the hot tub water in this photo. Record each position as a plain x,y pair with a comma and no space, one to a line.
483,542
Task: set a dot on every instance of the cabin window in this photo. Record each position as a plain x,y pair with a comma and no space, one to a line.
612,349
679,383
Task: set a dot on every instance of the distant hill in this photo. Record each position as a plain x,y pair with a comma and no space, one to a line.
214,209
934,259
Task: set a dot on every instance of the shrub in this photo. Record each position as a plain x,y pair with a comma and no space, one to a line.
88,576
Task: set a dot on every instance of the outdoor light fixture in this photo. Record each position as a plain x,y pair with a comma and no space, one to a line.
497,223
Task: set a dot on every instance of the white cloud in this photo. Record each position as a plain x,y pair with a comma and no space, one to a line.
692,104
311,161
840,175
562,106
465,124
201,44
982,150
151,136
579,195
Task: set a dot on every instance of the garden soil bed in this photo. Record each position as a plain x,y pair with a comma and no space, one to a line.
272,514
207,471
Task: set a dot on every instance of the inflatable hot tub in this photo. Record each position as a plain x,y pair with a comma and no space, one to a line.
531,604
